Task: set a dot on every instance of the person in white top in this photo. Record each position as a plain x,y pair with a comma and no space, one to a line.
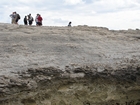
36,19
13,18
30,19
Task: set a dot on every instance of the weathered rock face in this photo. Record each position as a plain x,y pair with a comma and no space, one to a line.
69,66
81,86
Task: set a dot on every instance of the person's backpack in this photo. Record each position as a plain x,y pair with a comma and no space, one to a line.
18,16
32,19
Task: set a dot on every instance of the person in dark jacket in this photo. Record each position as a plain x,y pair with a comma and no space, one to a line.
17,17
25,20
69,25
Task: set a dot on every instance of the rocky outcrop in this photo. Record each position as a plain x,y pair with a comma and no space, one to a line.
69,66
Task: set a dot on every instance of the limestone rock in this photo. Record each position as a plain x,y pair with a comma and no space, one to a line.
78,65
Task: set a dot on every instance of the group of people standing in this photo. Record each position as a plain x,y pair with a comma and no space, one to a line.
28,20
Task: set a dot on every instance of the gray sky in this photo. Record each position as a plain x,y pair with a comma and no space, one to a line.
113,14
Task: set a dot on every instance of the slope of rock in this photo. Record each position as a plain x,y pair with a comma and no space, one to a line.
78,65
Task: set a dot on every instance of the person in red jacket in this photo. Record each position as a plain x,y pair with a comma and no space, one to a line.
39,20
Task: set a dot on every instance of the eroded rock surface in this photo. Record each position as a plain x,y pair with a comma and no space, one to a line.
69,66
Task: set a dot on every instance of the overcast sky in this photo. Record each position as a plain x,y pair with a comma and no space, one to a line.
113,14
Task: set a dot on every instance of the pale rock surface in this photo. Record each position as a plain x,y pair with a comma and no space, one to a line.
78,65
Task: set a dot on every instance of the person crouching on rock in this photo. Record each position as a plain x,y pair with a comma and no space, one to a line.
69,25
